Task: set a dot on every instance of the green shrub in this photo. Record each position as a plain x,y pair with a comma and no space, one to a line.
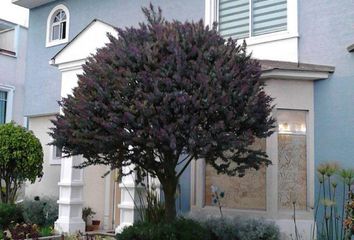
42,212
242,229
180,229
9,213
21,160
46,231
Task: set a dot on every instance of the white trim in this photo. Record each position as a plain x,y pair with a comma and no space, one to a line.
271,37
9,100
70,184
16,39
210,12
42,114
294,75
70,66
49,42
30,3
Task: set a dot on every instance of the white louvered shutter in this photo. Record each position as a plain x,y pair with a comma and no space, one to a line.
268,16
234,18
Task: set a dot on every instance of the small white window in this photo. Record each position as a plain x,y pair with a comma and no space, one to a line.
55,156
58,26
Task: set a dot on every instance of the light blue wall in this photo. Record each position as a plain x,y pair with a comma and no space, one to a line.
42,80
12,72
326,30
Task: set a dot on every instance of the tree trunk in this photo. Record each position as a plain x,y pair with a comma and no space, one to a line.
169,189
8,189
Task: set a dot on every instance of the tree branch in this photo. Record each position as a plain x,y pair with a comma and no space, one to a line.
184,167
183,160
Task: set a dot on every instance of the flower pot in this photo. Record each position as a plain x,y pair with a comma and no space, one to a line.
96,225
96,222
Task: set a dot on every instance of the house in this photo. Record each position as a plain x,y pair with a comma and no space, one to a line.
306,52
13,38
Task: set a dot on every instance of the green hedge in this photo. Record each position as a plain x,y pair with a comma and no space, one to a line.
212,229
181,229
242,229
9,213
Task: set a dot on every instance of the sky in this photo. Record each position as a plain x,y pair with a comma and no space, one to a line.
13,13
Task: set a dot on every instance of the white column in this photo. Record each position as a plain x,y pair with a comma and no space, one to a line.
129,200
200,183
71,179
70,197
107,200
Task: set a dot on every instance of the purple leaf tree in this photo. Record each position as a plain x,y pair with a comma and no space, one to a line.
164,94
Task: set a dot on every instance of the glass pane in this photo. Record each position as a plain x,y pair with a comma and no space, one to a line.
56,32
63,16
63,30
269,16
292,160
3,98
291,122
60,16
58,152
57,17
234,18
248,192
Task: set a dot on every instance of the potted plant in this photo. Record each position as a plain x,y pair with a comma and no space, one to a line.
87,214
96,224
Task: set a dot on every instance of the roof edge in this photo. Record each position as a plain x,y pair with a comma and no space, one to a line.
269,65
52,60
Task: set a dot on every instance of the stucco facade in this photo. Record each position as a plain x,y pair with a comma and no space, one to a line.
12,68
324,95
324,40
47,185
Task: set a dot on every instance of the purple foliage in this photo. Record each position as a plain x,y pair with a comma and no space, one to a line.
166,91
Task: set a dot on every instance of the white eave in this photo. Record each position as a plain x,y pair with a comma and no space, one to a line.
82,45
294,75
31,3
294,71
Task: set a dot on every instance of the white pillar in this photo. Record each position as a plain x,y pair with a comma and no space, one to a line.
70,197
129,200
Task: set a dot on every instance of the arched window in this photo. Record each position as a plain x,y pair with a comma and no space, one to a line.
58,26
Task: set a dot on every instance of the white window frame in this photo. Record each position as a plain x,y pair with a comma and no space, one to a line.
212,15
49,41
9,101
53,159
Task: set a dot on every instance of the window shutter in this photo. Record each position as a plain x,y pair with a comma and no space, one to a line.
3,97
234,18
269,16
